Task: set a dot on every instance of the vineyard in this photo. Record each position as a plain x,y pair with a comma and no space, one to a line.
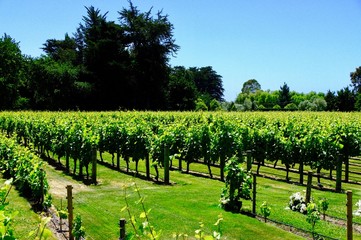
149,144
315,141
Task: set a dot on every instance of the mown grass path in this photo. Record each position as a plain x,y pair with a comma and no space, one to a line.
175,209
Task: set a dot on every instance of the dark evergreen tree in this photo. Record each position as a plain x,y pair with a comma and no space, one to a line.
101,45
356,80
285,96
51,84
208,83
331,100
61,50
150,43
345,100
181,91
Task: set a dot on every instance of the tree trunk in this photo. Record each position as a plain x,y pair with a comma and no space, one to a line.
287,172
118,160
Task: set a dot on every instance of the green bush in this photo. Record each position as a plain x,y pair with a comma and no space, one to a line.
291,106
200,105
276,107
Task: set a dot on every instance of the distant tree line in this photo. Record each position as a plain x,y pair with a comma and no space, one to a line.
106,66
252,97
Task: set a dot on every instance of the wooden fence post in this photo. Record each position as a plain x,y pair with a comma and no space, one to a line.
309,186
254,201
339,173
166,164
122,222
249,160
70,210
94,165
349,214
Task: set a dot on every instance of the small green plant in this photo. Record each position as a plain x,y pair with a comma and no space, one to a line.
265,210
216,235
200,233
147,230
6,219
41,232
63,214
47,201
78,229
313,216
238,186
323,203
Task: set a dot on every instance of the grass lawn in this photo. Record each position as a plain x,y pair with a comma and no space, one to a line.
26,220
175,209
179,208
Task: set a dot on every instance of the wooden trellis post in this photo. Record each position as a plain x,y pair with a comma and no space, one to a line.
338,173
349,214
122,223
69,189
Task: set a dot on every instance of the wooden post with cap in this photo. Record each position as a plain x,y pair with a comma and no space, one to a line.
69,197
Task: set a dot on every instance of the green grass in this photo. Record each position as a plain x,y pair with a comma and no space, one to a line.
26,219
179,208
175,209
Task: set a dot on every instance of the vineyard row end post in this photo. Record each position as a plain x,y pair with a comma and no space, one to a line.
339,174
349,214
122,223
69,197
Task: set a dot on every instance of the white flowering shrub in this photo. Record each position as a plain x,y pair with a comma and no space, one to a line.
298,203
358,211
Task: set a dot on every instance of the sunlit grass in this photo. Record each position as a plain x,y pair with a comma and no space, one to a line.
180,207
175,209
26,220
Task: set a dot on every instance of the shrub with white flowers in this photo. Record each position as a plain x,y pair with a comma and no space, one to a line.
358,211
298,203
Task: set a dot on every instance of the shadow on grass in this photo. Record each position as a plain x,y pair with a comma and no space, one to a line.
133,173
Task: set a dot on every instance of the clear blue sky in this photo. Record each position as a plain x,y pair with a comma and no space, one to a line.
312,45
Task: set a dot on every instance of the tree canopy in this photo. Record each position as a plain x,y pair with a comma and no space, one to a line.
251,86
106,65
356,79
11,72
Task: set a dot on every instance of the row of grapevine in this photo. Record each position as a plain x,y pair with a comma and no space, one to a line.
25,168
306,139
